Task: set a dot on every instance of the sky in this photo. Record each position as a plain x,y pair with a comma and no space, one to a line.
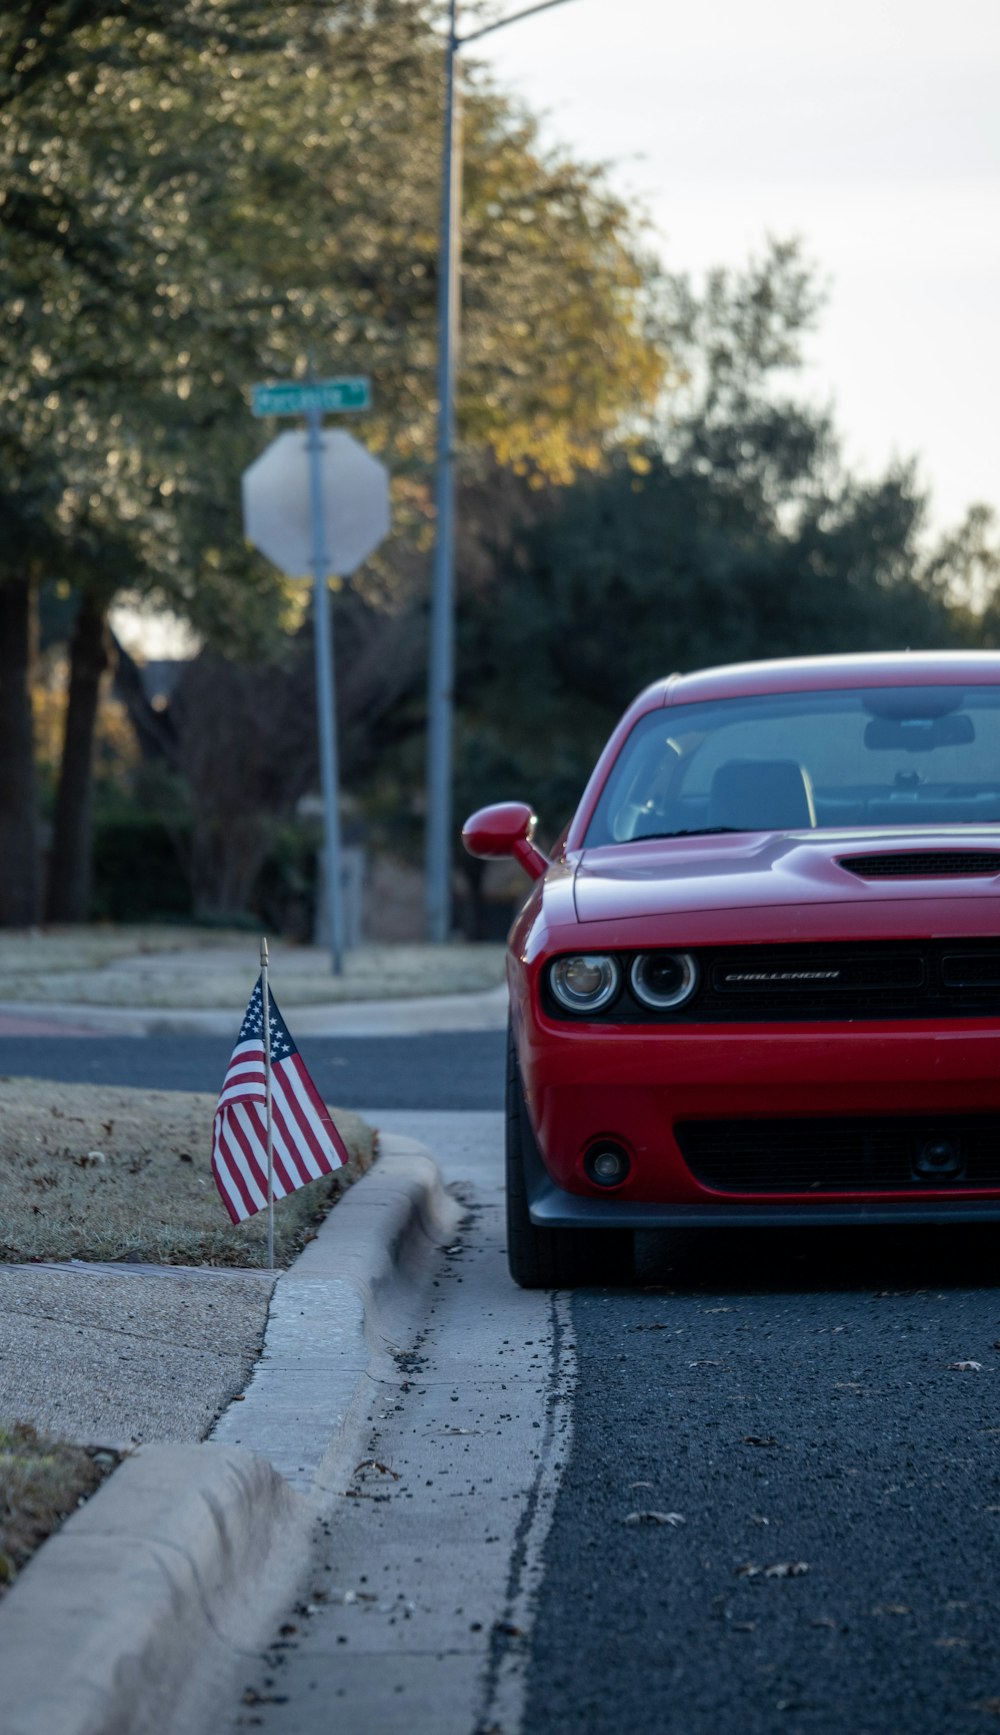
868,128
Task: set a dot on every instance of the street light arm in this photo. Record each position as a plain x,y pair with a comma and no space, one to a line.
525,12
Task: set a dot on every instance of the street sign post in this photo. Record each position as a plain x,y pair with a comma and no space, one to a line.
319,501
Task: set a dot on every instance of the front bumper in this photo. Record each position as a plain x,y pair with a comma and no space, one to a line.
633,1085
551,1208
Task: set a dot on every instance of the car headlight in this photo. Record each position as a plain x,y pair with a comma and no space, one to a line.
663,980
586,981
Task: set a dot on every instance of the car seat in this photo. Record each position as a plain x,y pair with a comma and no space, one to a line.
761,795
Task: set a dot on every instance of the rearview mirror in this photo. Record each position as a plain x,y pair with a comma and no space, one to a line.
919,734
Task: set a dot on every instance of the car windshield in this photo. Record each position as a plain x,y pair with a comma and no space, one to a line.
881,756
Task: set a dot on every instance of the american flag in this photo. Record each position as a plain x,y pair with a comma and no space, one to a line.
305,1142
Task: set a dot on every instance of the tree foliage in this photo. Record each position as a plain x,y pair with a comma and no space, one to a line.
203,193
736,534
197,194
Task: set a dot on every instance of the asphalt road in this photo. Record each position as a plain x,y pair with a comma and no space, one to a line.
797,1403
458,1070
836,1481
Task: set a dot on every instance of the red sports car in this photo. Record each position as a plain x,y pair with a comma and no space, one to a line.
759,983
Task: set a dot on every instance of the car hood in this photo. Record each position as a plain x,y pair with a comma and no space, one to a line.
769,870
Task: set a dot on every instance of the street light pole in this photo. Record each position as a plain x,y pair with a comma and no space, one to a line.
440,697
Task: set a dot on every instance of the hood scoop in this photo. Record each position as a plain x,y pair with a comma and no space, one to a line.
923,864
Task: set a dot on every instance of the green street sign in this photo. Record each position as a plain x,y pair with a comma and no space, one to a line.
299,397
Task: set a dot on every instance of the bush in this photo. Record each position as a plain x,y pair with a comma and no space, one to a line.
140,871
137,873
284,895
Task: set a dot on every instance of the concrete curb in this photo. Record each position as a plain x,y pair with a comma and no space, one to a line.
334,1320
98,1636
127,1621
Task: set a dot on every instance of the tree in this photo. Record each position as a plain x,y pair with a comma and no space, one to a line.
220,187
966,564
18,792
95,213
245,738
736,534
68,891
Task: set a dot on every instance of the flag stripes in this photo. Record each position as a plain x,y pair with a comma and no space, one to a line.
305,1144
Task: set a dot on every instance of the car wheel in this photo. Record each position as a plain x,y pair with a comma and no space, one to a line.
551,1258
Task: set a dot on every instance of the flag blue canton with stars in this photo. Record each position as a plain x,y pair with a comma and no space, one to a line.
253,1024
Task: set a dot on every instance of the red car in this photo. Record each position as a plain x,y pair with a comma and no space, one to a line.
759,982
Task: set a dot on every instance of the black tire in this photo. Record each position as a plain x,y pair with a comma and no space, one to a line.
551,1258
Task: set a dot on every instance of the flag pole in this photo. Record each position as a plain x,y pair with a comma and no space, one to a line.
266,1009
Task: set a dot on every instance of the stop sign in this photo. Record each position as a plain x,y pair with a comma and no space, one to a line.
277,510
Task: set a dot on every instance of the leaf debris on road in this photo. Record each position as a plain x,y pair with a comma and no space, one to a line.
781,1569
672,1518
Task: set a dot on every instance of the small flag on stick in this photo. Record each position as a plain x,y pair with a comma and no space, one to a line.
306,1144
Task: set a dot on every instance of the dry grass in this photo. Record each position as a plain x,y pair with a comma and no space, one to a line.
202,969
91,1172
94,946
41,1482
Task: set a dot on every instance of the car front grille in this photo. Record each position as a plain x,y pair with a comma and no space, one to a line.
793,979
910,1153
912,979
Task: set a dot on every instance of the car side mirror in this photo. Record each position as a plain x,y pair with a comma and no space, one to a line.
507,828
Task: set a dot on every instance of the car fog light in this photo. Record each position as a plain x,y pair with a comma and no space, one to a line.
939,1160
662,980
585,982
606,1164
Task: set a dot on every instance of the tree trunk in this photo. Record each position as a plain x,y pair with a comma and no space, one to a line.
69,864
19,869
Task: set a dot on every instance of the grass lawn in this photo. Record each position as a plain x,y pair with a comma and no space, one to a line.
204,969
92,1172
89,1172
41,1482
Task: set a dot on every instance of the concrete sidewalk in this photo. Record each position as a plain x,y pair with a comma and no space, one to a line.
123,1355
185,971
147,1600
486,1010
